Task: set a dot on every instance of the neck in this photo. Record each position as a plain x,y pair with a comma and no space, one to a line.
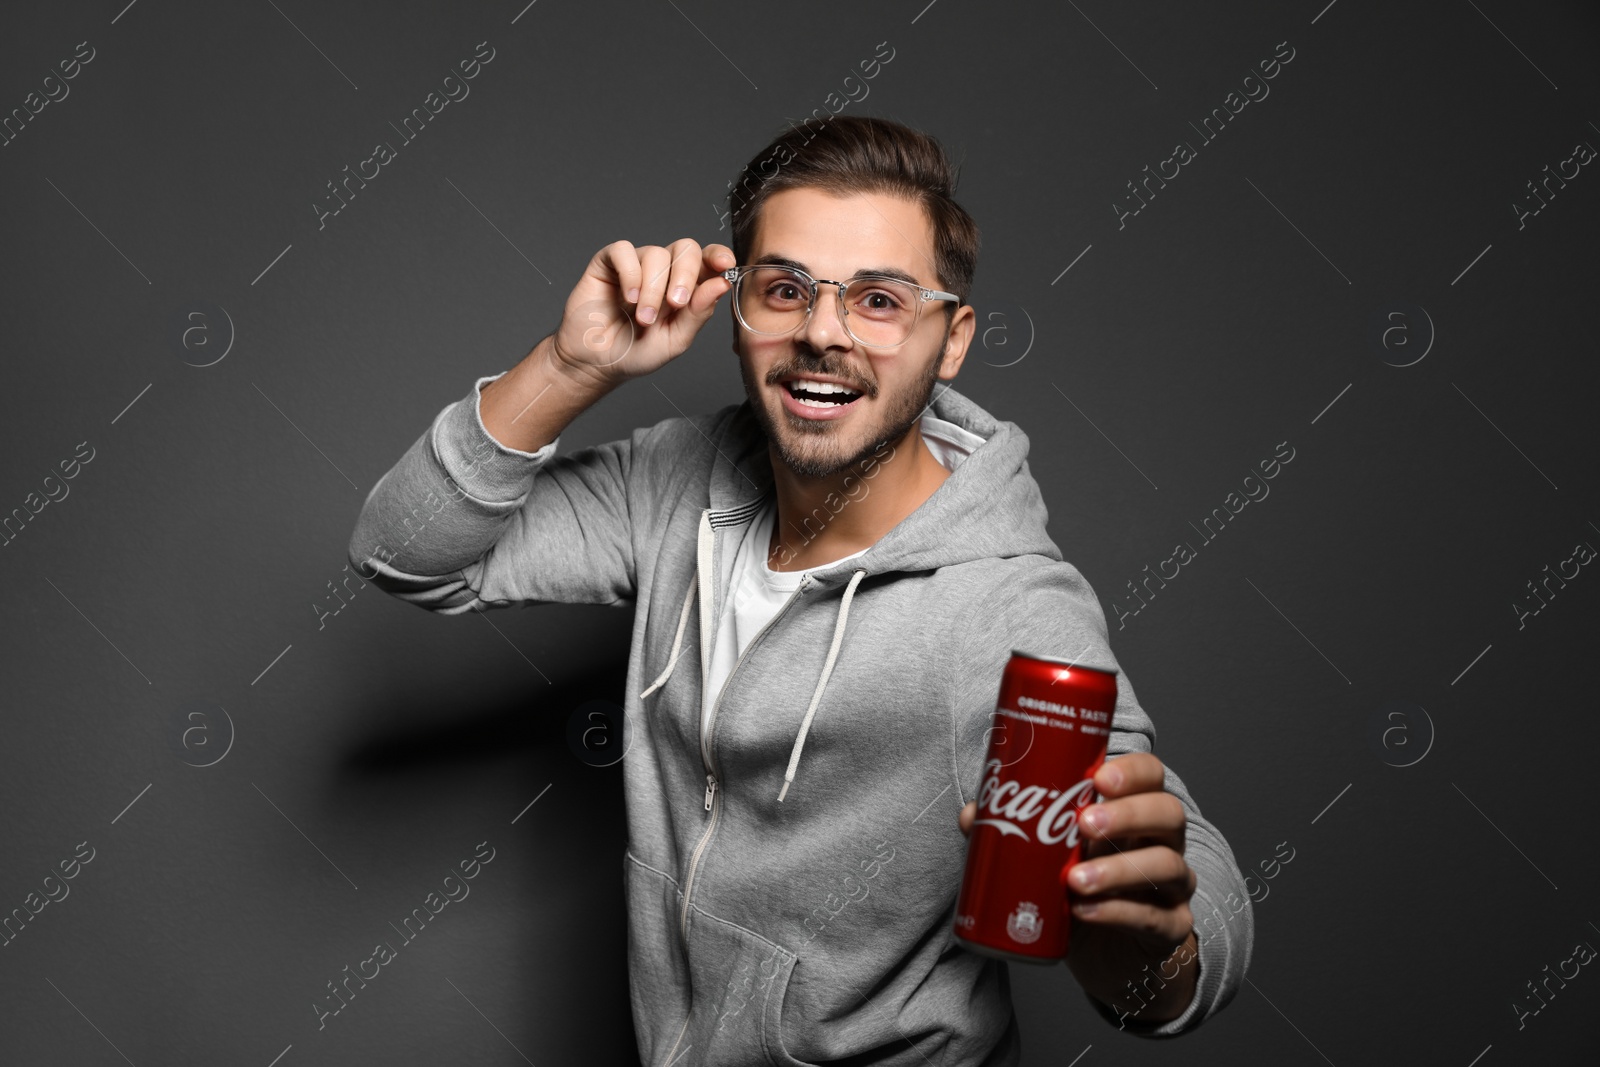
820,520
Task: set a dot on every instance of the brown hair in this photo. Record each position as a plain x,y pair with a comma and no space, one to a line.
844,154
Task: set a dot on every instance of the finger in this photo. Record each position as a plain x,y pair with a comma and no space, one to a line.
1158,816
1171,924
683,272
718,258
1157,868
704,299
714,259
1135,772
621,260
965,817
712,287
655,262
1095,848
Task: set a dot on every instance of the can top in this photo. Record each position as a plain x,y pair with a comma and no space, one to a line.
1062,662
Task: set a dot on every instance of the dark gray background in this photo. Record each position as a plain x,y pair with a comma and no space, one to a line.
374,748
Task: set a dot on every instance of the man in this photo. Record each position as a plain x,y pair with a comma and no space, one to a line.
827,581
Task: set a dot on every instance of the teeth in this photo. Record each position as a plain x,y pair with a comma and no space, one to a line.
805,389
819,387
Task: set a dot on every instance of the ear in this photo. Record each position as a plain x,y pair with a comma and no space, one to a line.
962,326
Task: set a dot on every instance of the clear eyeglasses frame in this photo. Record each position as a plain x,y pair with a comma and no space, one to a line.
883,327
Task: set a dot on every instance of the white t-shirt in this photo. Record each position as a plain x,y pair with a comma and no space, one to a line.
757,591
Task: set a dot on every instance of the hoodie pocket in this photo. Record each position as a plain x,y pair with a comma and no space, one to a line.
658,974
772,1022
720,1005
740,979
739,982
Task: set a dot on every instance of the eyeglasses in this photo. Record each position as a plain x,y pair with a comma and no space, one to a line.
877,311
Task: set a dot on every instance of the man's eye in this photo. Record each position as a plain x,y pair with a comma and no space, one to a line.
878,300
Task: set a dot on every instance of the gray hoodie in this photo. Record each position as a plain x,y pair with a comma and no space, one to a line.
791,876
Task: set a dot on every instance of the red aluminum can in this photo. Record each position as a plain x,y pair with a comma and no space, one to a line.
1051,725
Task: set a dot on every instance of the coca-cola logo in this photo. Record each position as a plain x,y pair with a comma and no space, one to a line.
1009,806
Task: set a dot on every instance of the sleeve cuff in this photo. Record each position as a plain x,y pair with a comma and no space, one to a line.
1213,953
472,458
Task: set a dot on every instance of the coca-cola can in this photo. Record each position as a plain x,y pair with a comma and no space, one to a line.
1051,725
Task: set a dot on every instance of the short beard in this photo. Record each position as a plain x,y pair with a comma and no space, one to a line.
900,418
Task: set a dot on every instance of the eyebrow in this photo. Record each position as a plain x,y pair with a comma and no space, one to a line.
795,264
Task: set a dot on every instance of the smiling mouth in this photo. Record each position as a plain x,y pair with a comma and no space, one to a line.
820,394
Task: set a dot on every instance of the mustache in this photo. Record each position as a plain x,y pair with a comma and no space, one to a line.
778,373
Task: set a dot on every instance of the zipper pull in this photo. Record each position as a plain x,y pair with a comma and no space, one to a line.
711,788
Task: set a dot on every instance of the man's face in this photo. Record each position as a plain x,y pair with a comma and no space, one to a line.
833,237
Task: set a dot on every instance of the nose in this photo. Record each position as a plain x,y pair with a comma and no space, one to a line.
825,328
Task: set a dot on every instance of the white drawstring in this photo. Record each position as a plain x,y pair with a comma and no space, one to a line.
827,669
677,642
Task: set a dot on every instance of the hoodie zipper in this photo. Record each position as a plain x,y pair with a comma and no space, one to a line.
711,790
706,738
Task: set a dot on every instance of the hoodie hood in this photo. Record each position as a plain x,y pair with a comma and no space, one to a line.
990,506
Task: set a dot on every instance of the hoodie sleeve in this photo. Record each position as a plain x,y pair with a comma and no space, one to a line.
1049,609
463,522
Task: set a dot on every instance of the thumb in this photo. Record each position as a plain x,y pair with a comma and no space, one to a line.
703,301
